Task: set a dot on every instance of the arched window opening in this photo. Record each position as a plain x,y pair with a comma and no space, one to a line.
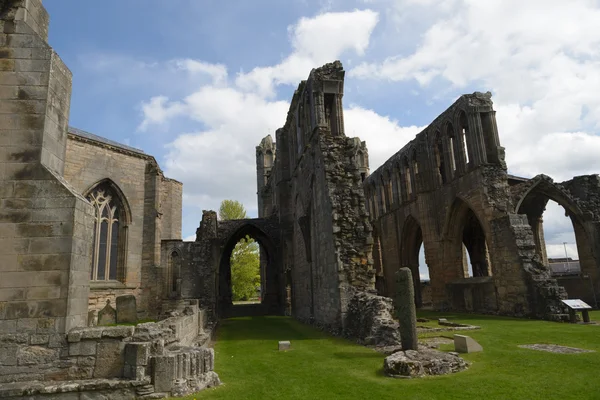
174,275
414,172
389,191
407,180
397,184
424,280
412,256
268,159
245,263
557,237
453,154
464,137
108,236
439,160
476,258
382,197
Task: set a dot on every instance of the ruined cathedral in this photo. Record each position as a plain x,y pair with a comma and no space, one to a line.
90,233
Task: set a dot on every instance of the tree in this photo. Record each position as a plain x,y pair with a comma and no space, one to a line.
245,257
245,269
231,209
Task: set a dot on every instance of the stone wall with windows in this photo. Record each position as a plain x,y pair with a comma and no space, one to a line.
448,190
147,208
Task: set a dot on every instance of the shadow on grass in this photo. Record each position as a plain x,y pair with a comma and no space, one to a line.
348,355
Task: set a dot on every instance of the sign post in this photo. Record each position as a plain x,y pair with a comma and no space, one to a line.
578,305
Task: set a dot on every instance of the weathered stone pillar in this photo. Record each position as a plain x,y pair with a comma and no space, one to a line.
405,308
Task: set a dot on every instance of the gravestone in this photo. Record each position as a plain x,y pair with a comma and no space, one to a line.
285,345
466,344
406,312
126,309
107,316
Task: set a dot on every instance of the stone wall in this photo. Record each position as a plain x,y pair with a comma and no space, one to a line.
45,225
151,356
315,191
448,190
153,208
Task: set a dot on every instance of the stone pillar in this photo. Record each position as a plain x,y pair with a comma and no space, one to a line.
405,309
47,228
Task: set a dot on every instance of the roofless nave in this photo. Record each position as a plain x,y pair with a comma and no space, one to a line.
85,221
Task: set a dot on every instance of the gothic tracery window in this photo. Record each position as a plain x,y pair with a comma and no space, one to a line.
105,252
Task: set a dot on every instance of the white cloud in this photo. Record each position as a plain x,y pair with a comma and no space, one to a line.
383,135
217,72
315,41
158,110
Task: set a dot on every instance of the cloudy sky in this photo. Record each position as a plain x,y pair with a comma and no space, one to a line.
198,83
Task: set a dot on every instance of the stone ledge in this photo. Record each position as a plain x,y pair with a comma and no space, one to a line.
113,332
37,387
106,285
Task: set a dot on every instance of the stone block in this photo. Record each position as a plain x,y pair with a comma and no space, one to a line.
9,355
134,372
109,359
284,345
126,309
57,341
39,339
74,336
163,373
466,344
137,353
118,332
92,333
107,316
83,348
35,355
8,326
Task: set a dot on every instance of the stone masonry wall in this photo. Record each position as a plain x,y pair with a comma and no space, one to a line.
136,174
45,225
448,190
315,189
150,353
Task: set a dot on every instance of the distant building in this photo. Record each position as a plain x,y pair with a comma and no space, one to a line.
564,266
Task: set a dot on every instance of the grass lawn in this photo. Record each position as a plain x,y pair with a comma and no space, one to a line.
325,367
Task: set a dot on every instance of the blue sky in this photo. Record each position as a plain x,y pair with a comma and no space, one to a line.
198,83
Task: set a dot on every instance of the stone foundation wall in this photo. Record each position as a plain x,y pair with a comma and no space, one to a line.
151,353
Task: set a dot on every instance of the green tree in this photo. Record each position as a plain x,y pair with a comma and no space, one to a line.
245,257
231,209
245,269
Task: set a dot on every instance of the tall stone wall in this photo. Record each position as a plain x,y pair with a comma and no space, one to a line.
46,226
448,190
91,160
315,191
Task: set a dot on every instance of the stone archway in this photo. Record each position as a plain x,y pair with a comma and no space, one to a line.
532,203
410,245
266,234
466,287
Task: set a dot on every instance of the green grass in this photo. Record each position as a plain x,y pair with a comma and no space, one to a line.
324,367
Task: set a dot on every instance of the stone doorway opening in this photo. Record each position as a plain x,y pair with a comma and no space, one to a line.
249,244
567,251
413,255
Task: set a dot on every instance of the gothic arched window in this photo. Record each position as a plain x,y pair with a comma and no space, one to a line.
108,231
